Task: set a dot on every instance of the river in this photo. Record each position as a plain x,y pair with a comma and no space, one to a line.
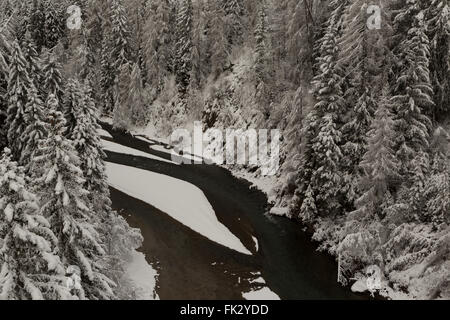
192,267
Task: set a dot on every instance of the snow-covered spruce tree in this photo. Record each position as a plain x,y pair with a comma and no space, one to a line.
200,44
119,240
183,46
123,111
157,43
365,57
234,15
30,266
261,49
73,105
4,72
31,55
116,51
413,90
320,171
88,146
120,33
34,117
219,51
379,164
59,182
51,81
437,186
137,97
53,25
437,17
36,24
19,83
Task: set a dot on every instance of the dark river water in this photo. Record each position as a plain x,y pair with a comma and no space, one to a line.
191,266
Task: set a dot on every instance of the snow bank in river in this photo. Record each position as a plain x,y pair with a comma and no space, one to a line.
181,200
261,294
115,147
142,276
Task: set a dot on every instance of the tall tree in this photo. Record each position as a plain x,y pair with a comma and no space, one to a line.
19,83
183,47
35,131
59,180
30,267
413,89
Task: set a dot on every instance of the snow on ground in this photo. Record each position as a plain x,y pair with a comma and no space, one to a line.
115,147
179,199
104,133
260,294
142,276
263,293
255,240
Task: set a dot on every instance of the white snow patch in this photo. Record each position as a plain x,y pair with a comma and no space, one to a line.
259,280
115,147
143,277
179,199
279,211
255,240
261,294
104,133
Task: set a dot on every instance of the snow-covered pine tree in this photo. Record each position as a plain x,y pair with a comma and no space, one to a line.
413,89
59,182
437,186
120,36
118,238
53,25
123,111
31,55
234,15
379,164
116,51
19,83
30,266
37,22
183,46
366,59
88,145
261,49
34,117
51,81
322,168
157,43
73,105
4,72
219,50
137,98
438,27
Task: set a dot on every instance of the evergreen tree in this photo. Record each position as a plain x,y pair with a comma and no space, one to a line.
32,57
53,28
413,90
157,47
19,83
438,15
437,186
120,34
51,81
183,47
34,118
60,181
73,105
234,15
30,267
4,73
217,35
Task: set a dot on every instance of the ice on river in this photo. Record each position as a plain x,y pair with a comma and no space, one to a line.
179,199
